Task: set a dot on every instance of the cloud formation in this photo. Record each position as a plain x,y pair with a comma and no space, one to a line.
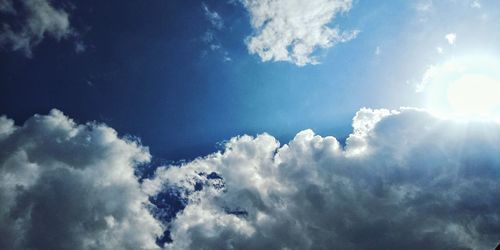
404,180
34,21
70,186
292,30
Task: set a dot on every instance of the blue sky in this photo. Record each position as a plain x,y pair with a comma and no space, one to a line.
410,88
147,71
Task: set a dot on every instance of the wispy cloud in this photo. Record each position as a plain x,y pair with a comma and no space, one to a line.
210,37
213,17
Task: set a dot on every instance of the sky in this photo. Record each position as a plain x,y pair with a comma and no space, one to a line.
249,124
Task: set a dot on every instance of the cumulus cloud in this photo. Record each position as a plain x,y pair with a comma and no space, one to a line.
34,21
70,186
292,30
404,180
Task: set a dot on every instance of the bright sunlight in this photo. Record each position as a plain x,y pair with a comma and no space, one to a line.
466,88
474,95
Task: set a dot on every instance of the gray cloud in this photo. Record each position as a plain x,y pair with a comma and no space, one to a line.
38,19
70,186
405,180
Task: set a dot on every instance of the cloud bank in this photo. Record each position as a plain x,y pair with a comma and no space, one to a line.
69,186
292,30
31,22
404,179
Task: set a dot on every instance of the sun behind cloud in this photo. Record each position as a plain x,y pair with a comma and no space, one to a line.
466,87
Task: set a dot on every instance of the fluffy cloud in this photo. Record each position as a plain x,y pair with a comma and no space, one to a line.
404,180
70,186
292,30
35,20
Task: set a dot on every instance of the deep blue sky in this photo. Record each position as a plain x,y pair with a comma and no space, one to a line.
147,72
185,75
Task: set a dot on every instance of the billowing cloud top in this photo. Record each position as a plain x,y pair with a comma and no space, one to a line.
69,186
291,30
404,180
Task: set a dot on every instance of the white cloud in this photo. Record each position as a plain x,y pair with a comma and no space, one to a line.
378,51
70,186
39,20
292,30
405,180
451,38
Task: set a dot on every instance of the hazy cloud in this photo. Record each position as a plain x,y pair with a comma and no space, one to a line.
439,73
293,30
424,6
451,38
476,4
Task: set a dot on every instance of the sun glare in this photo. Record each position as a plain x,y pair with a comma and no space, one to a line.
474,95
467,87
